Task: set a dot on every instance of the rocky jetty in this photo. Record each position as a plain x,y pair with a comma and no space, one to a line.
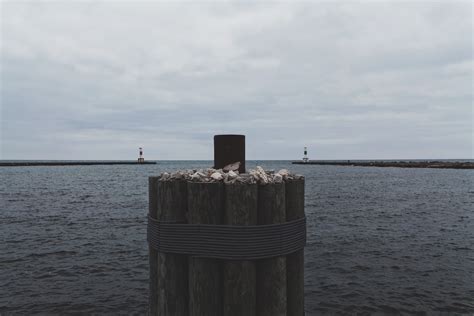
397,164
71,163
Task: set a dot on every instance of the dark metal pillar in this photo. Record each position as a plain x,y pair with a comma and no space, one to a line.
229,149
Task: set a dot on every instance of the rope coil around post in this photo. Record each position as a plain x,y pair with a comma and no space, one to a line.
230,242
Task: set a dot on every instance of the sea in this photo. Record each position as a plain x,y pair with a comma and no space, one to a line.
384,241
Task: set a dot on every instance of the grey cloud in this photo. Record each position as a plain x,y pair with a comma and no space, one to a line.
349,80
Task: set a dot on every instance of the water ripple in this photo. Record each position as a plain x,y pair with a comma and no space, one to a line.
380,240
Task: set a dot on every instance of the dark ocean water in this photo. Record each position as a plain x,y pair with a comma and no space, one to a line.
380,240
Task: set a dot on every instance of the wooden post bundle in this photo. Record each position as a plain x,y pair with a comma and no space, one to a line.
190,284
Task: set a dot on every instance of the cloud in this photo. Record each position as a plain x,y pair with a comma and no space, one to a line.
96,80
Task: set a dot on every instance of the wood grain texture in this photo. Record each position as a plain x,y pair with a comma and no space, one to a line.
271,273
172,269
205,206
241,202
152,253
295,261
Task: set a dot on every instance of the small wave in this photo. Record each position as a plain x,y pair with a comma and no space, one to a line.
461,248
350,295
54,253
361,268
13,260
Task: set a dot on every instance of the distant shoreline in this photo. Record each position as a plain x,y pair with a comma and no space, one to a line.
72,163
397,164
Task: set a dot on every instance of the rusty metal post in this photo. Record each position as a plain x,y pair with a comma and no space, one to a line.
229,149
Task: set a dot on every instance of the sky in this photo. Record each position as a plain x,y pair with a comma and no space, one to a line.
349,80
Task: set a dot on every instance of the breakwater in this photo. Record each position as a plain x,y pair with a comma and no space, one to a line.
72,163
398,164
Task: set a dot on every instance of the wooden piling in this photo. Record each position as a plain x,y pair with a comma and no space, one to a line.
295,262
271,273
241,201
172,269
153,254
205,206
193,285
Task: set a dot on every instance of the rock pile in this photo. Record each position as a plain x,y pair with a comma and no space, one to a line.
257,175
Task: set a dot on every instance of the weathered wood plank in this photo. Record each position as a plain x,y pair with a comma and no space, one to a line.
295,261
271,273
241,201
205,206
152,253
172,275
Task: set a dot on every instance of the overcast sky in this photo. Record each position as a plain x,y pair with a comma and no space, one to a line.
349,80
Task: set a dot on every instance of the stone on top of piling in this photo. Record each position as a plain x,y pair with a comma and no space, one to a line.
257,175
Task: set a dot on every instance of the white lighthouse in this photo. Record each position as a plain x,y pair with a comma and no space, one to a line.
305,155
140,157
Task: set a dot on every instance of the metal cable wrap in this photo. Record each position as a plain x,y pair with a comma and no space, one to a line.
229,242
